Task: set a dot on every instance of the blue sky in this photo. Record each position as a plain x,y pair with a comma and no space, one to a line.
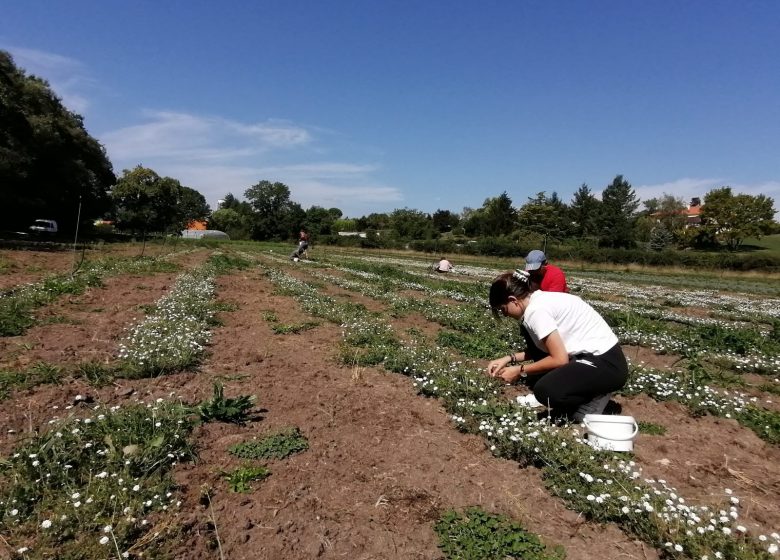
370,106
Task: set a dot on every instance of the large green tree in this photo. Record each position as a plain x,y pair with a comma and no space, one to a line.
733,218
496,217
145,202
662,222
411,224
275,216
544,215
48,161
584,212
320,221
191,206
445,221
617,214
232,222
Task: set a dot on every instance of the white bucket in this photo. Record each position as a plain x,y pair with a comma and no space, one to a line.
611,433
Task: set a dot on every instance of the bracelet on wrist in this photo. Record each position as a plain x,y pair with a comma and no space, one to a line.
512,359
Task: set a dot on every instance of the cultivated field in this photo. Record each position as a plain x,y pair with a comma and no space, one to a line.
229,403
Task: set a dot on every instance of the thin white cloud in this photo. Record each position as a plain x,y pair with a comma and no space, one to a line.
68,77
688,188
685,188
169,135
217,156
354,192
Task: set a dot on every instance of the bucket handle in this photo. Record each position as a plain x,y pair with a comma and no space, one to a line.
595,433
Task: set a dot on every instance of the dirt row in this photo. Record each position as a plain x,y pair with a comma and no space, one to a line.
383,462
701,457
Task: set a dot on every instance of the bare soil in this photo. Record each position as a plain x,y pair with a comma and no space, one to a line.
383,462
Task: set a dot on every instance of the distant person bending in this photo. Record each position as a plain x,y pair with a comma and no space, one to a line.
583,362
545,276
444,265
303,244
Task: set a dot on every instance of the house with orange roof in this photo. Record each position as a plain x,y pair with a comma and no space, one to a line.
199,225
692,213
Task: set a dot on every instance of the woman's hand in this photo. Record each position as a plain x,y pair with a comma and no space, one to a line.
495,367
510,374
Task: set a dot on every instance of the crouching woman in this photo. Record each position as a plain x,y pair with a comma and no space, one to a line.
582,362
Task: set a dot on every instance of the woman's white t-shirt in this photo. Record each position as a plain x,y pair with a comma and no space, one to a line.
581,328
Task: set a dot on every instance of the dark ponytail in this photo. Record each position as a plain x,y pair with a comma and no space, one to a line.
516,283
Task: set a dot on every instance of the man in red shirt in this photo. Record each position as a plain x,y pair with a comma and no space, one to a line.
547,277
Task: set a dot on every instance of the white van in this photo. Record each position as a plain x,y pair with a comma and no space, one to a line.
44,226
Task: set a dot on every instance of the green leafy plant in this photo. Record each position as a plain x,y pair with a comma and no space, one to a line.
275,446
96,373
241,479
270,316
294,328
221,409
477,535
651,428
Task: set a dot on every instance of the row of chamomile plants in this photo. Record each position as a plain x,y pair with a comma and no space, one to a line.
174,334
606,487
471,534
172,337
751,343
17,305
477,335
97,481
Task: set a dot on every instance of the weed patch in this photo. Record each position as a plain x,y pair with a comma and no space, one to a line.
222,409
241,479
294,328
276,446
651,428
475,535
39,374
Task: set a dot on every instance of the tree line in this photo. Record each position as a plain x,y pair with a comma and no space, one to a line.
612,220
50,165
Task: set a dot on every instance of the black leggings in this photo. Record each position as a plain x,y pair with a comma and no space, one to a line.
583,378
